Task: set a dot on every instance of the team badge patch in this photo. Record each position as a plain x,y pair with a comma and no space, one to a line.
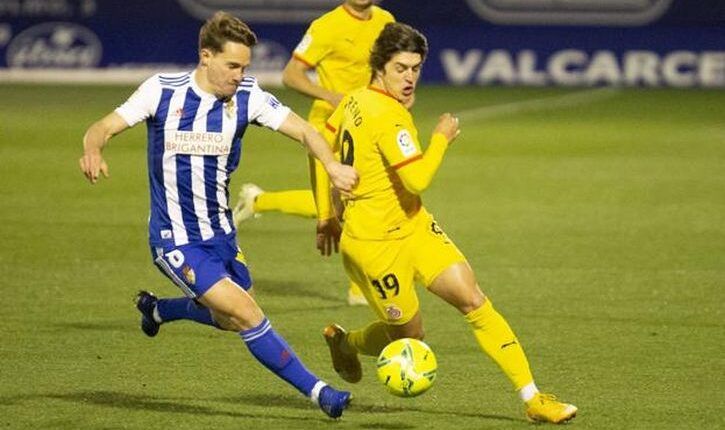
189,274
304,44
393,312
405,143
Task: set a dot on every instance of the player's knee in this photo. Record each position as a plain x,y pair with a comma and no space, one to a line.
237,320
474,301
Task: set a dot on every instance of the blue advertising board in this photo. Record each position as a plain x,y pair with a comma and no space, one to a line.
482,42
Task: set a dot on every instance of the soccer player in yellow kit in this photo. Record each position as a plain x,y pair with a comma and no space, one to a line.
337,46
389,241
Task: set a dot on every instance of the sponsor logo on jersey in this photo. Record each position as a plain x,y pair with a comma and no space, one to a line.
197,143
405,143
54,45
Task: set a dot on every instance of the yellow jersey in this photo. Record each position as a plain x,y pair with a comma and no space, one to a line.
375,134
337,45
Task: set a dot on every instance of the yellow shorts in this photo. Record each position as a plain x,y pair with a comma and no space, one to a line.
387,270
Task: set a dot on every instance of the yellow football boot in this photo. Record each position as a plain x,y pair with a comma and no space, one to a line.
545,408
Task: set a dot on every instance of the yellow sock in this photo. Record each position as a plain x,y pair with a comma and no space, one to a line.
294,202
370,340
498,341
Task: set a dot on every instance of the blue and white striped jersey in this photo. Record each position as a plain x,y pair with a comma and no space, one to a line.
194,144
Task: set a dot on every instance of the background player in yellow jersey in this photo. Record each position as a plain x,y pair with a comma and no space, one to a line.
389,241
337,46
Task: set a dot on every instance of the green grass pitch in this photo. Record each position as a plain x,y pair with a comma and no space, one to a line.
596,227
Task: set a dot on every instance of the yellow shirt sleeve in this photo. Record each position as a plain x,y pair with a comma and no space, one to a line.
402,151
314,46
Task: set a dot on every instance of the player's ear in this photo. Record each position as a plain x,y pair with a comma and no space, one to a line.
204,57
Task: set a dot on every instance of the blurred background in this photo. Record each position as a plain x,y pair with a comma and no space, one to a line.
652,43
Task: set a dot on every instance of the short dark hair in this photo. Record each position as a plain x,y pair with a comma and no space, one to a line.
396,37
224,27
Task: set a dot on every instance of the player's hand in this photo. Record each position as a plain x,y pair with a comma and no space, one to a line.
448,126
342,176
328,236
92,165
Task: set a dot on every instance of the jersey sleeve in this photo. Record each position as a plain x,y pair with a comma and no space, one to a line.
264,108
314,46
332,125
142,104
399,145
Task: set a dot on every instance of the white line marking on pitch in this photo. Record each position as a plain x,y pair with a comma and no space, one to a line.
539,104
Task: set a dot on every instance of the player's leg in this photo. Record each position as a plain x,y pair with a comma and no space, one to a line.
447,274
386,280
237,311
457,286
193,268
254,201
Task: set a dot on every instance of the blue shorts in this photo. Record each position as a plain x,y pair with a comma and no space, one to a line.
196,267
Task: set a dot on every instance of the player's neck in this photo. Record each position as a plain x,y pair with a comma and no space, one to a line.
378,86
203,83
363,14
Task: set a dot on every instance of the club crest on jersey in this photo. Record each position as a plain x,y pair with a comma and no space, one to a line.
393,312
189,274
304,43
405,143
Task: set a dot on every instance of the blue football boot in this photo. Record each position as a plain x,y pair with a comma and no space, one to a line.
146,303
333,402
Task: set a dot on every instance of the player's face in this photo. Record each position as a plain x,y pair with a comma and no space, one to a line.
225,69
400,75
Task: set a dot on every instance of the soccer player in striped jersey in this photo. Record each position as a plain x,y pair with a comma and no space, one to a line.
337,46
196,122
389,241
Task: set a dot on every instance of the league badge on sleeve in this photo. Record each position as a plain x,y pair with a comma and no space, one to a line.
304,44
405,143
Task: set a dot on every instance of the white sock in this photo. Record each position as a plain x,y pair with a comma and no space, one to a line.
156,315
528,392
315,393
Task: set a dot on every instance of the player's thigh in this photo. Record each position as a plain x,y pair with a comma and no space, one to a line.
432,251
232,307
385,276
443,269
194,268
235,263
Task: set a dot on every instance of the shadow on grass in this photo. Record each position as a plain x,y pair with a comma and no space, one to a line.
168,405
290,289
357,407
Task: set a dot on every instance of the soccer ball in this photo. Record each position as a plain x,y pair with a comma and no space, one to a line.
407,367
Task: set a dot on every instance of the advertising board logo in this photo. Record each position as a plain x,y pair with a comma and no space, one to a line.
299,11
268,56
54,45
580,12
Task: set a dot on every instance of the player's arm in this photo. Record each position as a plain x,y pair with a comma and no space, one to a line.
97,136
295,76
343,177
328,229
417,171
